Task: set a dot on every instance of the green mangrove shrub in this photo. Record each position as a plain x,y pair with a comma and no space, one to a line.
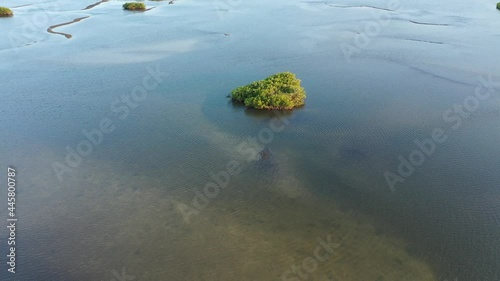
134,6
5,12
278,91
498,5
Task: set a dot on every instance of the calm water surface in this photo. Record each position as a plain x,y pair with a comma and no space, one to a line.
119,211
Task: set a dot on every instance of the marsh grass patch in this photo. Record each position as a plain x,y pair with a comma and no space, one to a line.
5,12
134,6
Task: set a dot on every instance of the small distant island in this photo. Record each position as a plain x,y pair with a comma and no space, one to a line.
498,5
280,91
134,6
6,12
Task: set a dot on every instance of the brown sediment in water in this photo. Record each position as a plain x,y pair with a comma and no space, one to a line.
244,234
50,29
95,4
148,9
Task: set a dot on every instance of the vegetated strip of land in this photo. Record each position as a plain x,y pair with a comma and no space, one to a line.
95,4
50,29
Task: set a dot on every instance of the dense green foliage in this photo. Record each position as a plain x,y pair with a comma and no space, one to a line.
498,5
5,12
134,6
278,91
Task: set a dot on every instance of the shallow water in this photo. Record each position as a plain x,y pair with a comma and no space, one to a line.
121,207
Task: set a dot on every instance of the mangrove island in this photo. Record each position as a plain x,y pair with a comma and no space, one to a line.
279,91
134,6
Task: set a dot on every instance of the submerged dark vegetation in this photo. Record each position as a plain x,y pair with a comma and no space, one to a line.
134,6
279,91
5,12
